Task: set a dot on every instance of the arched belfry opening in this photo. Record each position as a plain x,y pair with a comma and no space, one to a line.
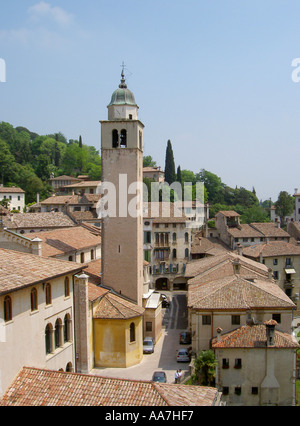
123,139
115,139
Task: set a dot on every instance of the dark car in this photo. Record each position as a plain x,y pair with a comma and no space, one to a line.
165,301
159,376
185,338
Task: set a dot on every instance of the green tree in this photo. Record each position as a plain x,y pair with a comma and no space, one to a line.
213,185
255,214
284,206
205,369
6,160
178,175
170,174
148,161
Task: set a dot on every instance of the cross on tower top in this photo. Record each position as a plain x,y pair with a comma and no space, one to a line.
123,84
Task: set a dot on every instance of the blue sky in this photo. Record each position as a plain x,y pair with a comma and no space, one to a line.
214,77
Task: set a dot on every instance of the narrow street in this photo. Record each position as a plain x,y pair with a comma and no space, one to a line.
164,357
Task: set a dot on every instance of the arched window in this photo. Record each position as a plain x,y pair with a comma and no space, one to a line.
187,253
174,253
186,237
67,287
58,327
82,257
132,332
92,255
67,330
34,300
70,258
7,309
174,237
115,139
69,368
48,294
123,139
48,339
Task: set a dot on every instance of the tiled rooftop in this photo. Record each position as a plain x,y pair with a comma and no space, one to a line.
114,306
19,270
163,213
37,220
237,293
33,387
253,336
61,241
11,190
273,248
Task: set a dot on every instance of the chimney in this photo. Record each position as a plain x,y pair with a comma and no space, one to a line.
37,246
240,249
81,314
219,333
270,273
270,331
37,198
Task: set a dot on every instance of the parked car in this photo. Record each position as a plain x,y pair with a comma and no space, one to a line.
148,345
185,338
183,355
159,376
165,301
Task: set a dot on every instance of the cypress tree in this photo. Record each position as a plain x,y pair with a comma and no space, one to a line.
170,174
80,142
178,176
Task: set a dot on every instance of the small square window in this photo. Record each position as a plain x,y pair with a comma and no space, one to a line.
225,363
235,320
277,318
238,390
206,319
238,363
225,390
254,391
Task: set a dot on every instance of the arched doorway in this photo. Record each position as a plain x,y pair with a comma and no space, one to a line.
162,284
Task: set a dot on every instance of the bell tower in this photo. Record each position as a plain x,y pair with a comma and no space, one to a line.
122,173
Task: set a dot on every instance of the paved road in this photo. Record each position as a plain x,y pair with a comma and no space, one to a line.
164,357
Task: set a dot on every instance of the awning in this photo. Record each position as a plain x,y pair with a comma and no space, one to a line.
290,271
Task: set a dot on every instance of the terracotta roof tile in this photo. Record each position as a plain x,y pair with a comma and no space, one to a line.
273,248
253,336
113,306
235,292
61,241
19,270
38,220
33,387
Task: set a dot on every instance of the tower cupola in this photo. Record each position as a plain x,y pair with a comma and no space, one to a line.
122,105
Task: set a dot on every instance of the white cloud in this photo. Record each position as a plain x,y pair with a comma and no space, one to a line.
45,10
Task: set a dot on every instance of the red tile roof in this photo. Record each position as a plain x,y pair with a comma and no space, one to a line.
254,336
34,387
19,270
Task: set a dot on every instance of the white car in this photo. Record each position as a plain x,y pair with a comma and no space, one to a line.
148,345
183,355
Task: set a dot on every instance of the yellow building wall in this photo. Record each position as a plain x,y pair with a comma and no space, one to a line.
112,346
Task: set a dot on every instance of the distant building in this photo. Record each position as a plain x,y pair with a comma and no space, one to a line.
36,314
154,173
229,230
14,196
256,365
